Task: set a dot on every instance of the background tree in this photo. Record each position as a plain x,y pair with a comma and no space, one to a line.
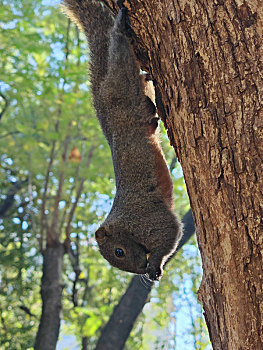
54,151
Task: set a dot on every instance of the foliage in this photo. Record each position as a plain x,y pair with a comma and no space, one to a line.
47,115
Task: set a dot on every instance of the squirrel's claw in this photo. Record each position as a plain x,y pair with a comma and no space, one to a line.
154,273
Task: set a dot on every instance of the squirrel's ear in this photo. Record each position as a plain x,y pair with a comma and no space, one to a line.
101,235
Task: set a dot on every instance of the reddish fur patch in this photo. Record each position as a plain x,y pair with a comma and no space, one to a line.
162,172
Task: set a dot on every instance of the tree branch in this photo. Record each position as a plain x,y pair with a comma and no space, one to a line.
43,223
9,200
5,105
74,257
52,232
26,310
79,191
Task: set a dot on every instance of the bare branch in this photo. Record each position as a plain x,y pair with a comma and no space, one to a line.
5,105
9,200
68,201
79,191
67,40
43,223
26,310
53,234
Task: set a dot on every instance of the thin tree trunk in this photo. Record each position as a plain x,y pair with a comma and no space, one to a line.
84,343
206,61
51,293
121,322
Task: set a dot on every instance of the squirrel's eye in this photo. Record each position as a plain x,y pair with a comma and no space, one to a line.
119,252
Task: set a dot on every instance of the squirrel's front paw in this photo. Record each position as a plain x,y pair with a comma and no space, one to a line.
154,273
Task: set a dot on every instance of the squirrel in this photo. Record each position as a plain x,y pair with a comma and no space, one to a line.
141,231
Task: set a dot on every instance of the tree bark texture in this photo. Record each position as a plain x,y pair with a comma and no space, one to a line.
51,294
205,57
121,322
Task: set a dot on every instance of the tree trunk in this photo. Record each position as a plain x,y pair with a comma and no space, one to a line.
120,324
84,343
51,293
206,61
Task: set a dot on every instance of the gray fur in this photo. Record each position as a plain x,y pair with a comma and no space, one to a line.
141,220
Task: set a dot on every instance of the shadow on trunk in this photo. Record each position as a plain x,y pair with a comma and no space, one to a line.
51,294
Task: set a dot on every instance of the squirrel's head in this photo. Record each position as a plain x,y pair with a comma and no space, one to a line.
121,251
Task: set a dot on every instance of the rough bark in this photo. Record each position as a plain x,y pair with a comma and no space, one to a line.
51,294
121,322
206,61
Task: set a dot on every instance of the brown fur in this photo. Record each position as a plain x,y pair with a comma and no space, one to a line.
141,220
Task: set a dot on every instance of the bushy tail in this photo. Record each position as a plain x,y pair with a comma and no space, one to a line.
95,21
